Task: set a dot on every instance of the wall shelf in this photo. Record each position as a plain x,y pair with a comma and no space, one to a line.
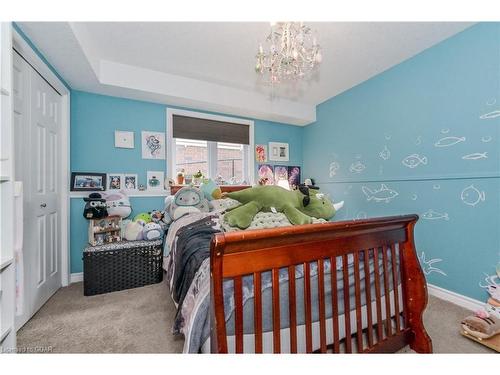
4,178
135,194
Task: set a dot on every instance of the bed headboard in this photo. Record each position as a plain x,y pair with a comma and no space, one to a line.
225,188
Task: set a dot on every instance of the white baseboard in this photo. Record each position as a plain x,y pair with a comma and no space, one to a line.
76,277
455,298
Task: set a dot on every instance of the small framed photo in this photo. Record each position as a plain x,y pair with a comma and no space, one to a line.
155,180
115,181
278,151
124,139
261,153
130,182
87,181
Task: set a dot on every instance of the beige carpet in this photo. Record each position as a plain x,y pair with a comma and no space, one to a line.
139,321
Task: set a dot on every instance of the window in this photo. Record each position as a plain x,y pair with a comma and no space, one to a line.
230,158
191,156
217,146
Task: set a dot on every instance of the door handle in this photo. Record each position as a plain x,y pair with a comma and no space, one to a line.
43,205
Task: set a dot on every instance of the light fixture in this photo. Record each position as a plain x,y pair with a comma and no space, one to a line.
293,52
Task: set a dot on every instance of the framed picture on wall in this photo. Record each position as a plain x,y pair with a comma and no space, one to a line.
130,182
261,153
88,181
153,145
294,176
266,174
155,180
115,181
278,151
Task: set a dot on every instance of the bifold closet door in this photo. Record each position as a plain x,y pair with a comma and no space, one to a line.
37,113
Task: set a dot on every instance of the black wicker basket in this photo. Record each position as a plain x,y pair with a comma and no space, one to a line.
121,265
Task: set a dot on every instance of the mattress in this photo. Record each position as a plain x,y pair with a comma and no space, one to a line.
267,337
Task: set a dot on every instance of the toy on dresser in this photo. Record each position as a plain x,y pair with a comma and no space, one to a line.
143,227
105,230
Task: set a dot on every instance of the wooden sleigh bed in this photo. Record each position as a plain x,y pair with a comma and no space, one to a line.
388,321
379,312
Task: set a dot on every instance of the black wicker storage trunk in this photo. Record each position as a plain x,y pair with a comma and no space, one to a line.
121,265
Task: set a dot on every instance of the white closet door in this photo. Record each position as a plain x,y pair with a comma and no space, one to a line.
42,220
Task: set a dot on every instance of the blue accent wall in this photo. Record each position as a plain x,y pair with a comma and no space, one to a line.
415,108
94,119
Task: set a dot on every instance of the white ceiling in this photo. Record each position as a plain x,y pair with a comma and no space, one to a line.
210,65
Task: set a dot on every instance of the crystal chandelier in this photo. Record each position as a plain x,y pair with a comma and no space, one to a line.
293,52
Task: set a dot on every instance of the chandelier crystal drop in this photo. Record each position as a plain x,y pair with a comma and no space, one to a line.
293,51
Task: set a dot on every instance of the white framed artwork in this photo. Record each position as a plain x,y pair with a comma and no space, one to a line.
155,180
114,181
278,151
153,145
130,182
124,139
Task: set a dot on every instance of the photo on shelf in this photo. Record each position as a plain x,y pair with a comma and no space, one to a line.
131,182
115,181
87,181
155,180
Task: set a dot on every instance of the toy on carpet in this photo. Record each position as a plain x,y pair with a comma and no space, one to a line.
299,206
118,204
187,200
95,207
485,324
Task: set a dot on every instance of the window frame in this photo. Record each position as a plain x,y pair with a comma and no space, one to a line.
248,160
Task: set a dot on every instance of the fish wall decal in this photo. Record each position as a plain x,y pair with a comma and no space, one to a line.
489,115
334,167
476,156
449,141
427,265
472,196
414,160
384,194
357,167
385,153
434,215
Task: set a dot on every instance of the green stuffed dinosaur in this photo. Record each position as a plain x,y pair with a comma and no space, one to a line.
299,208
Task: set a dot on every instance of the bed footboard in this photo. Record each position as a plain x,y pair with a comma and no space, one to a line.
366,276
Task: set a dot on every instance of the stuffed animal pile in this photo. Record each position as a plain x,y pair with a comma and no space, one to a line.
485,323
299,206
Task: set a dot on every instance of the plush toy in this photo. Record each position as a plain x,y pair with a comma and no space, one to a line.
186,200
210,189
152,231
134,231
161,218
143,218
118,204
95,207
299,206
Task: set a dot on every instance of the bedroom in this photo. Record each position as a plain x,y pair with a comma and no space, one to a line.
163,184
